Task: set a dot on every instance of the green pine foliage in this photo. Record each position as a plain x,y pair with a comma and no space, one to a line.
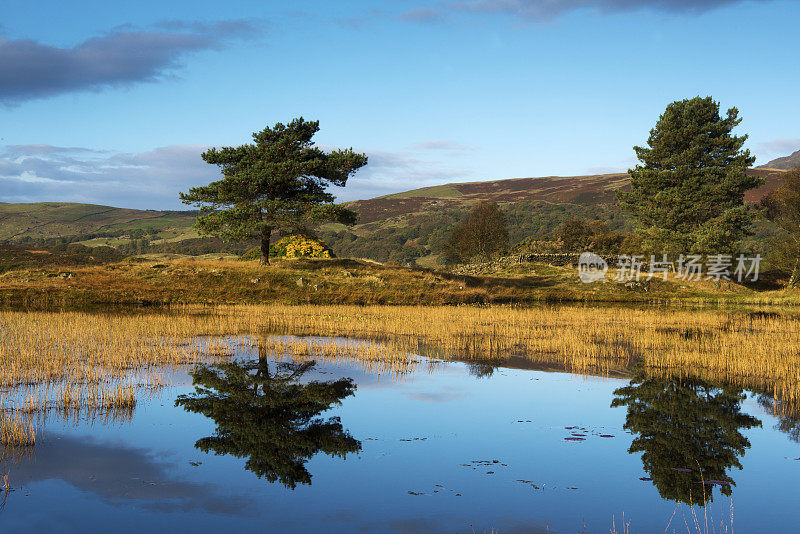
278,182
687,193
689,432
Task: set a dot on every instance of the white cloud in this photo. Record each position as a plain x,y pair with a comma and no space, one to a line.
441,145
148,180
779,147
153,179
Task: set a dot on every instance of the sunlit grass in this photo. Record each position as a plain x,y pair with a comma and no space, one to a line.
17,431
69,363
759,351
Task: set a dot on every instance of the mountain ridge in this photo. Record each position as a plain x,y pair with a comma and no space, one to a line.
786,163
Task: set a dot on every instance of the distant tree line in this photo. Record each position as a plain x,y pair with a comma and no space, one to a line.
421,235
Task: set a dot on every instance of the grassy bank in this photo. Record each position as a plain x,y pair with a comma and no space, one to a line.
156,281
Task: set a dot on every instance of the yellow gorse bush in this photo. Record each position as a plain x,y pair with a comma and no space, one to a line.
298,246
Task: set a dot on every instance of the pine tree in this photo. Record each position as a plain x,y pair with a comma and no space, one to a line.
689,432
278,182
688,191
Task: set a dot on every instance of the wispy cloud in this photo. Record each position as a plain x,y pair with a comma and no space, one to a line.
542,10
115,474
153,179
779,147
424,14
147,180
441,145
31,70
393,172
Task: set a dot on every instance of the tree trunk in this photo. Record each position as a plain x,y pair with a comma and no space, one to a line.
265,235
263,369
795,278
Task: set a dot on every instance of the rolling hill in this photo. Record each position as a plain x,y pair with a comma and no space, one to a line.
406,227
47,220
414,225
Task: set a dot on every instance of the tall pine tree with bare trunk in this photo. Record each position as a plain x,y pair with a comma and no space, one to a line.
687,193
278,182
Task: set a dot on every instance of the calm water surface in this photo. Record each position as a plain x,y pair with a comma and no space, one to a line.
453,449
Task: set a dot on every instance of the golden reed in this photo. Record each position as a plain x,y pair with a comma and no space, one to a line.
65,362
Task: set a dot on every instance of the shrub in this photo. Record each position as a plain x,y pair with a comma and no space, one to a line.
299,246
293,246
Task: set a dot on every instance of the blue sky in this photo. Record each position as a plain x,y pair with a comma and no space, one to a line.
112,103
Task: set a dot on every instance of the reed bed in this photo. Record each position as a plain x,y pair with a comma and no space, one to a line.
755,350
65,362
17,431
94,365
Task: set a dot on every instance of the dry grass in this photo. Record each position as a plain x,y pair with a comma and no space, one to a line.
95,364
17,431
338,281
92,365
373,358
760,351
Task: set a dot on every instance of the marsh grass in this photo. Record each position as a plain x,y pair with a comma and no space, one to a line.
370,357
758,351
74,364
160,281
93,365
17,431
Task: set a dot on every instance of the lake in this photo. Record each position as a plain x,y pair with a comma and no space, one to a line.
445,447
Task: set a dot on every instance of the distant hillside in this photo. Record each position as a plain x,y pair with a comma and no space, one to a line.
43,220
405,227
413,226
786,163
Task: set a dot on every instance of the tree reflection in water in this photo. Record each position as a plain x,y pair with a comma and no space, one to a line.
269,417
788,416
689,433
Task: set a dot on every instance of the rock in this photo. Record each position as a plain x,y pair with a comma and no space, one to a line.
638,285
255,280
300,282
